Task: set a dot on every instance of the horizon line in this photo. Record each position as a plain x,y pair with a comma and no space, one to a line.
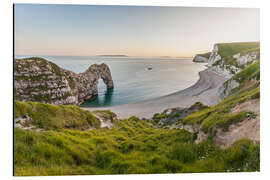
104,55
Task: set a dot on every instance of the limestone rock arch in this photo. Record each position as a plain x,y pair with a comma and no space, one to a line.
37,79
88,81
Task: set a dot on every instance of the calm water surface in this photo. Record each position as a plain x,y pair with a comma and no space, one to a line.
133,80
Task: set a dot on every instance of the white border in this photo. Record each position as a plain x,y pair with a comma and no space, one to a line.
6,45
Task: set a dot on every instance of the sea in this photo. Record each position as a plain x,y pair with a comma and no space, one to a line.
135,78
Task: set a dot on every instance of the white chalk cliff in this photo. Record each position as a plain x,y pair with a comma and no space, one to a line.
228,66
221,66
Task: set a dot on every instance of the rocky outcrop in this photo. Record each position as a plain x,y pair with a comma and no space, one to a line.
246,58
86,83
227,87
214,57
36,79
173,117
202,57
199,58
218,66
249,128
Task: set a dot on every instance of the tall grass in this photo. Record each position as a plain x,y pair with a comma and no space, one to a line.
132,146
50,116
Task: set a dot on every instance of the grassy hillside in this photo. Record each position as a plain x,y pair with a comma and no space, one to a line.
219,115
251,72
50,116
132,146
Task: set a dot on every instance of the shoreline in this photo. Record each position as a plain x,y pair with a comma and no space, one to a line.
205,90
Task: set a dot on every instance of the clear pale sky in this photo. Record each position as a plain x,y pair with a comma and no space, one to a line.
84,30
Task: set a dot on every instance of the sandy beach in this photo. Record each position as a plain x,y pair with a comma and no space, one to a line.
205,90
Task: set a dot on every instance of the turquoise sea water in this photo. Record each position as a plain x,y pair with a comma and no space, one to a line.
132,78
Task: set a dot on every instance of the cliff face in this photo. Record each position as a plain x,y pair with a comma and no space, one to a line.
36,79
227,87
247,77
227,59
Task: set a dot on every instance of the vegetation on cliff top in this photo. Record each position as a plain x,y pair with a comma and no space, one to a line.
230,49
42,63
28,62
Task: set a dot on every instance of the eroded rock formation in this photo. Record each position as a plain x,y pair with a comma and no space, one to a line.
36,79
199,58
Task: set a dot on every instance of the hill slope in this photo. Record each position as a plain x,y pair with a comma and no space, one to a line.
49,116
132,146
220,138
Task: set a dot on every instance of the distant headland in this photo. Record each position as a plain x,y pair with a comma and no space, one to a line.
112,55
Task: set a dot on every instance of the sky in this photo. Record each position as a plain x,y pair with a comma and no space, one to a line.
87,30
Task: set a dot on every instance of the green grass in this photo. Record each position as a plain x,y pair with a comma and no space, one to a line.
158,116
133,146
252,71
106,114
219,115
230,49
49,116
